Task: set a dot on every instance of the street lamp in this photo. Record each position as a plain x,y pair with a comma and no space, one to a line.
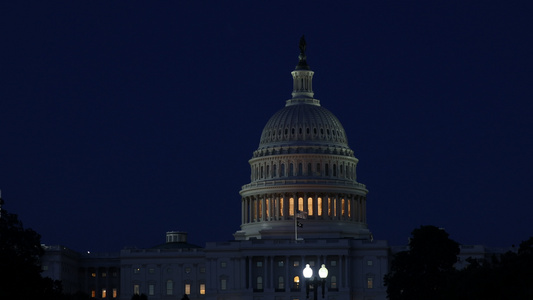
308,273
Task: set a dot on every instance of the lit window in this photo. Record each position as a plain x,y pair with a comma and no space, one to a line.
369,282
280,263
93,294
202,288
296,263
170,287
301,204
296,282
310,206
93,274
151,289
342,207
319,205
104,293
333,282
115,293
223,284
136,289
188,288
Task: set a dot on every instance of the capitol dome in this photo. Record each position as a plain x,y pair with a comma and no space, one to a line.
303,123
303,168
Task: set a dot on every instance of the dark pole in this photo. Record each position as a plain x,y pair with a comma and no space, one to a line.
315,287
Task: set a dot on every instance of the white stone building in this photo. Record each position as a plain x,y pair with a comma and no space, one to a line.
303,167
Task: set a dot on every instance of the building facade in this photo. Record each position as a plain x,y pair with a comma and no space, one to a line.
303,172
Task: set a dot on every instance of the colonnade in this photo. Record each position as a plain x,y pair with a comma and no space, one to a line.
324,206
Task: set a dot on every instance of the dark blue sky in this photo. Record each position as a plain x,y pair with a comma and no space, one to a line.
122,120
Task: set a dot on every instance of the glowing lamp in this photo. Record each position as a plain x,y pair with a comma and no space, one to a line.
308,272
323,272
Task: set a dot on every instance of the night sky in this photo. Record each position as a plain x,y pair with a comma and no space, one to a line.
122,120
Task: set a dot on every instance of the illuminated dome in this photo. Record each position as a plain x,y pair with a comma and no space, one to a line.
303,167
303,123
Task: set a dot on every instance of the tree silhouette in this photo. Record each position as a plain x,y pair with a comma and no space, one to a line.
425,270
506,276
20,268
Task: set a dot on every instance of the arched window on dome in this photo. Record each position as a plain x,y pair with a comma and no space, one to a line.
261,177
291,206
300,169
343,210
291,169
334,170
310,206
259,209
319,206
326,169
274,167
267,209
282,170
281,199
318,168
309,170
268,172
254,208
300,204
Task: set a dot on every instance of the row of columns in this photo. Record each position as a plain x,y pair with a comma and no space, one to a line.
274,207
289,169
